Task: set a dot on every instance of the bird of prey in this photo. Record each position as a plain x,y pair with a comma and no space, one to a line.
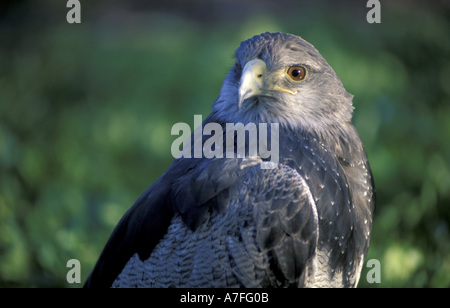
304,221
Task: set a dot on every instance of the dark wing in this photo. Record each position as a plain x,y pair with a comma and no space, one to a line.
339,177
281,212
261,230
227,222
190,187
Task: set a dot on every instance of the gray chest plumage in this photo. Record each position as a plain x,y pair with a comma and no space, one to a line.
301,224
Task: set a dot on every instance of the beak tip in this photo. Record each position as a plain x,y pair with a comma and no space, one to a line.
250,83
240,101
243,95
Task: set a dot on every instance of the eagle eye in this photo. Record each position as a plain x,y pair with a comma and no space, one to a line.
296,72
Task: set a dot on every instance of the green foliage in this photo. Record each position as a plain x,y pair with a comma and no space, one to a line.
86,112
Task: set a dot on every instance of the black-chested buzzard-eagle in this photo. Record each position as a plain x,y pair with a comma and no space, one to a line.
246,221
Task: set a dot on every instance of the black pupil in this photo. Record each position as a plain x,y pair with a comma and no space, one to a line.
296,73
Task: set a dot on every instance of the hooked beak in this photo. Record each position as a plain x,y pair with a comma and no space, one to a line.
252,82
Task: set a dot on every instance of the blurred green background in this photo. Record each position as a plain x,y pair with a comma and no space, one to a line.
86,112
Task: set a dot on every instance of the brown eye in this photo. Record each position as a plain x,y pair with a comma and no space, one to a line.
296,73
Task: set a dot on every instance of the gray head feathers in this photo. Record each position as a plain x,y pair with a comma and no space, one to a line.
319,102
